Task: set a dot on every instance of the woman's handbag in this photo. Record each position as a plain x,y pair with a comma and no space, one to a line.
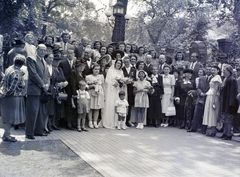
171,110
62,96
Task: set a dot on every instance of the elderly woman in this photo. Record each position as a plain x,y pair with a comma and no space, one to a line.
229,101
13,90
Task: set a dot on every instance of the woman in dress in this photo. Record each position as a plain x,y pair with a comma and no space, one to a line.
181,93
96,48
179,62
141,55
168,87
201,72
114,83
57,80
95,82
229,103
13,104
211,109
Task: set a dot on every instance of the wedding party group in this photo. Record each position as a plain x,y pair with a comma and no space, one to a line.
62,83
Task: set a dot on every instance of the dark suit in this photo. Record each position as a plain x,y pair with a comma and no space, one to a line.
78,52
65,66
197,66
35,110
87,70
130,74
75,77
148,69
66,46
203,86
160,68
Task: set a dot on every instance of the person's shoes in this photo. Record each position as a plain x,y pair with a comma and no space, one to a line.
182,127
223,136
9,139
227,138
162,124
124,127
30,137
138,125
191,130
236,134
95,125
84,129
165,125
128,124
55,127
43,134
118,127
50,128
69,128
16,127
220,130
90,125
79,130
211,134
47,131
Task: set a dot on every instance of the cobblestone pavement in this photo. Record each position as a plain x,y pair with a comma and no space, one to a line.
151,152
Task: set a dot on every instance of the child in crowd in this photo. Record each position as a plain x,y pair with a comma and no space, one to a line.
82,105
121,108
95,82
141,89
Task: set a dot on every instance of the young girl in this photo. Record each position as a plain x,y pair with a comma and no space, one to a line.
95,82
82,105
141,88
121,109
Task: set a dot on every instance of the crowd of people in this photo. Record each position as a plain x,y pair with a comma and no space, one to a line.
80,86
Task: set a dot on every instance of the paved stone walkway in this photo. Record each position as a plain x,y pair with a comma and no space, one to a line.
151,152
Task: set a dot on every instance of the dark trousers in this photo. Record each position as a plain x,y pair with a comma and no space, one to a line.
198,116
236,123
34,115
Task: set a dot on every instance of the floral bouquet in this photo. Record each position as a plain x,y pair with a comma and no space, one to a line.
120,81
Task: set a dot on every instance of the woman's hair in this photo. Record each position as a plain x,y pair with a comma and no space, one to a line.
203,69
142,71
138,63
177,54
219,70
101,49
19,60
167,66
133,55
140,48
117,61
134,51
95,42
49,36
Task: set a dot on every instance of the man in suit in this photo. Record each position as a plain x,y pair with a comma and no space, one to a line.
80,49
194,65
64,44
38,82
88,62
148,65
130,73
203,87
67,66
162,63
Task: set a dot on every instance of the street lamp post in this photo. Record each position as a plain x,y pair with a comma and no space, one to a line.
121,18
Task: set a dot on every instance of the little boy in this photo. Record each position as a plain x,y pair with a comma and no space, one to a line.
121,108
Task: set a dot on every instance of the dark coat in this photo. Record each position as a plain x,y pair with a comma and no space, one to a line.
131,74
38,75
229,93
75,77
148,69
87,70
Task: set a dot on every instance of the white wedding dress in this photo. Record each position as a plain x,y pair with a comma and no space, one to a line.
109,118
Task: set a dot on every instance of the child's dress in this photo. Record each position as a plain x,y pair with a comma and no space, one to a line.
122,107
96,94
82,102
141,98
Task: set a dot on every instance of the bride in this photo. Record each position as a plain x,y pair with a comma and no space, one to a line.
114,83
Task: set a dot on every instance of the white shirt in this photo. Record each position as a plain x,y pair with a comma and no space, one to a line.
50,69
128,69
89,62
70,63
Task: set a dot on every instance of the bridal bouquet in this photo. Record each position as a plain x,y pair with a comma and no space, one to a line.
120,81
